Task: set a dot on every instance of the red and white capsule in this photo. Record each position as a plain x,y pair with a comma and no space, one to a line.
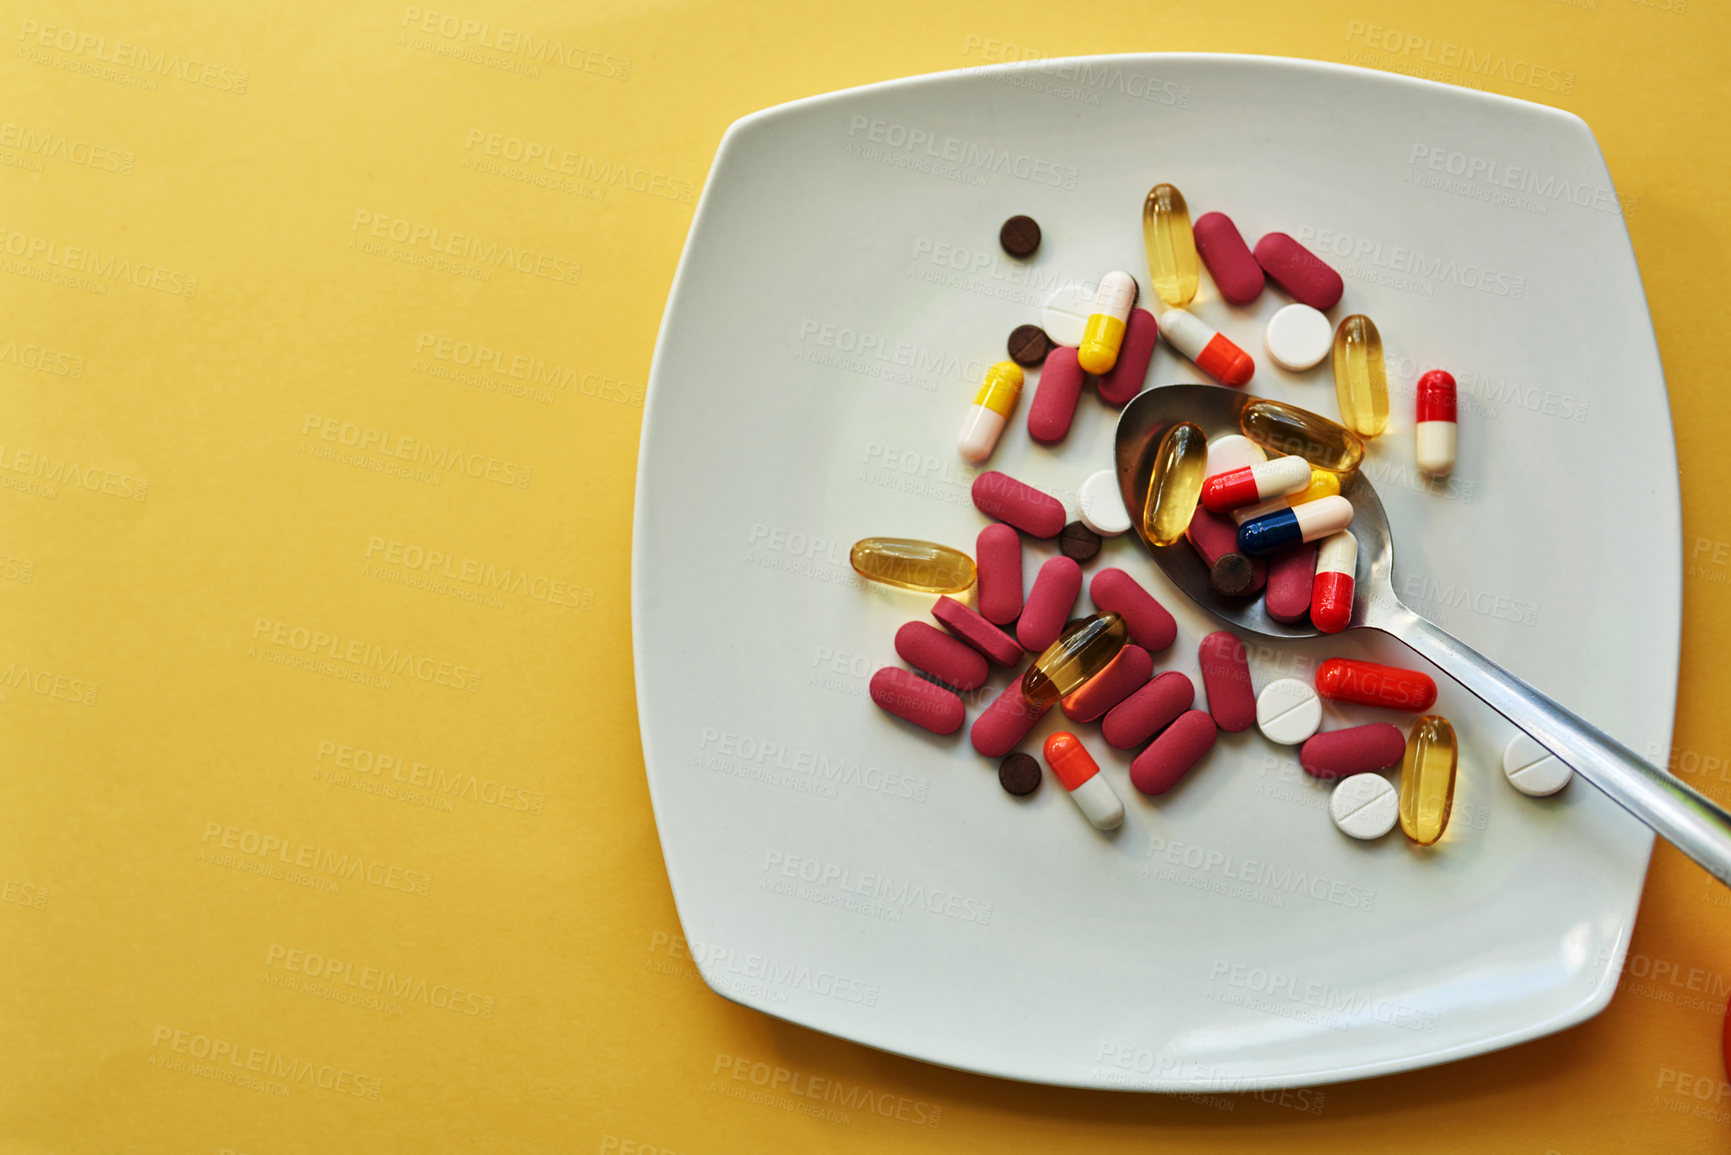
1253,483
1332,588
1212,353
1434,435
1081,776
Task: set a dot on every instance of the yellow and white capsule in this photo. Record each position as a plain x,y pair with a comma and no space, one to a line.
991,409
1105,332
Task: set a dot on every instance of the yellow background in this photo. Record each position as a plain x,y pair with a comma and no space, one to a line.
227,307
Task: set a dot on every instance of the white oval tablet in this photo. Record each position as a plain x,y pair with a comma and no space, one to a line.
1298,337
1234,451
1288,711
1065,314
1103,506
1532,769
1364,806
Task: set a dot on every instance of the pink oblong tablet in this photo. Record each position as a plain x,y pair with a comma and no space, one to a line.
1149,623
1158,768
1034,513
1119,384
1054,404
1356,750
953,663
1049,603
1148,711
1005,722
1127,672
1213,537
1230,262
909,696
998,557
977,631
1291,573
1299,271
1226,680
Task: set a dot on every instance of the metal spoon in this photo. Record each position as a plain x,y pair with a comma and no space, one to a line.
1693,823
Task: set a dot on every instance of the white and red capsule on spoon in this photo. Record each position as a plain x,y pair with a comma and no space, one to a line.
1331,589
1227,491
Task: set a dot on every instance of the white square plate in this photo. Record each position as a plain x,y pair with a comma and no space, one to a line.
840,295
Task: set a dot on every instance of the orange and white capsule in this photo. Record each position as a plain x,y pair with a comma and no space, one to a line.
1253,483
1213,353
1331,590
991,409
1434,435
1105,332
1081,776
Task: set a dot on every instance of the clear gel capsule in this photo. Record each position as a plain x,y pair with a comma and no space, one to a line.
1427,779
1289,429
1080,652
1179,466
912,565
1172,262
1360,380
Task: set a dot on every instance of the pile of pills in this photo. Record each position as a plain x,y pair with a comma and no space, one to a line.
1270,526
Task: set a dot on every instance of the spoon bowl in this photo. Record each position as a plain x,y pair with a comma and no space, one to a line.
1216,410
1688,819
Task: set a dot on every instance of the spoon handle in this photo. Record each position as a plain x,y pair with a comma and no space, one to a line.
1689,820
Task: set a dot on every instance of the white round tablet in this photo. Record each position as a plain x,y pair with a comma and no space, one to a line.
1234,451
1288,711
1532,769
1298,337
1065,314
1103,506
1364,806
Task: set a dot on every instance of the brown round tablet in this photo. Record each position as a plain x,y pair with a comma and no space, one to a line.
1232,575
1029,344
1020,236
1078,542
1019,774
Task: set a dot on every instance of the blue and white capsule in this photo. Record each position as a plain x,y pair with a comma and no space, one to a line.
1289,527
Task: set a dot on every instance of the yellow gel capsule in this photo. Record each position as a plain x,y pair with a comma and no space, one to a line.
912,565
1289,429
1172,262
1179,466
1322,484
1427,779
1080,652
1360,380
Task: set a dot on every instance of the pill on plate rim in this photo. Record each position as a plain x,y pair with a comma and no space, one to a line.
1532,769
